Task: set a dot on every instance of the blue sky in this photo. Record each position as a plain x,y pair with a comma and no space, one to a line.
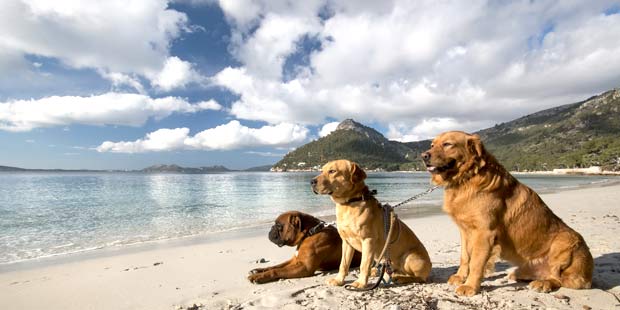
128,84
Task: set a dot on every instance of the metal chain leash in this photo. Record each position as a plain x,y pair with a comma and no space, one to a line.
428,191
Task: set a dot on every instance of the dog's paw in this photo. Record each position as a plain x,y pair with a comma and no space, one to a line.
374,272
335,282
254,278
257,270
455,279
358,284
542,286
466,290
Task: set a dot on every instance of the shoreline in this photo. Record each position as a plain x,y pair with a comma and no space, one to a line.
406,212
258,229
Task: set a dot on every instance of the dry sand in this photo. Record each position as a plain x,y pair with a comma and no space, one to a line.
210,273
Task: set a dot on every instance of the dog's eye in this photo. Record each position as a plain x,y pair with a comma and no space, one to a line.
331,171
447,144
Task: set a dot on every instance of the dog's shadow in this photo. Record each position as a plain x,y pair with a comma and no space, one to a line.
441,274
606,271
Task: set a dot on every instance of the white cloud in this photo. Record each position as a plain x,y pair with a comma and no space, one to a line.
120,79
233,135
113,37
266,154
160,140
266,32
229,136
209,105
106,109
422,66
328,128
267,49
428,128
242,12
175,74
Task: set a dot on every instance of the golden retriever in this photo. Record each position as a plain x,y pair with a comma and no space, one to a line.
360,224
492,209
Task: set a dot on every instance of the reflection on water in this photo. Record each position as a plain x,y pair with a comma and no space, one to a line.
50,213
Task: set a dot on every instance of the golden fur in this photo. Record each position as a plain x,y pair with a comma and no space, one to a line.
493,210
360,224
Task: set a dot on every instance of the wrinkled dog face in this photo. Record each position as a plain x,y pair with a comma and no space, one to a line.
285,229
339,178
451,153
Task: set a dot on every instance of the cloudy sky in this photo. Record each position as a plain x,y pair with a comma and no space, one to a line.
125,84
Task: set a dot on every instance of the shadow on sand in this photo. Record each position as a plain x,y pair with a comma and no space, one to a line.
606,271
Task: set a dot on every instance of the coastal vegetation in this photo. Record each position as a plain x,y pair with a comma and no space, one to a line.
577,135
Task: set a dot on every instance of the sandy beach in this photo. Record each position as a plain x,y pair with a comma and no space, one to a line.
210,272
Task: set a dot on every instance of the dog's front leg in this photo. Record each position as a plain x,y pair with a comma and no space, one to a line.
261,270
366,263
481,244
459,277
293,269
345,262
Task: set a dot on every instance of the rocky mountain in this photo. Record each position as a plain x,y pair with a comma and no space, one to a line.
356,142
581,134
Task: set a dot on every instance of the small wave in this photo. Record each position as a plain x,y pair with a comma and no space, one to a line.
48,255
63,246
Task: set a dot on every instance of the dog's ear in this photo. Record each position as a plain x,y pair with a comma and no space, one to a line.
357,174
295,221
476,149
474,145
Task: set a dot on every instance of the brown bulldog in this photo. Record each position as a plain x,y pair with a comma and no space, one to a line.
318,248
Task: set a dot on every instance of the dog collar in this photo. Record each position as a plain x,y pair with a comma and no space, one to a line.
365,196
318,227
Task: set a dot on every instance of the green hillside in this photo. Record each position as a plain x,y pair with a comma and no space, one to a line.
581,134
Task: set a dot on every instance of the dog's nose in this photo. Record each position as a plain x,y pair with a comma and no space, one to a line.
426,155
313,182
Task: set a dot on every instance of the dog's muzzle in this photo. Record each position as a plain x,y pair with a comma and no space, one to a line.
313,184
426,157
274,235
434,169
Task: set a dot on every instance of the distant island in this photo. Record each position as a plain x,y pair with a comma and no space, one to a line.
151,169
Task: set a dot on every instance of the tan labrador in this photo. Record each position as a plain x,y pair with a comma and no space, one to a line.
360,224
492,209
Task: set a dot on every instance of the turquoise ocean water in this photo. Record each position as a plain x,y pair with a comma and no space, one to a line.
48,214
